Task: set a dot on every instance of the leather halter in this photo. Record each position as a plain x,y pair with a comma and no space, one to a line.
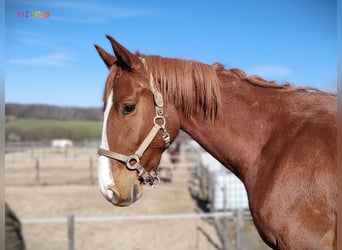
133,161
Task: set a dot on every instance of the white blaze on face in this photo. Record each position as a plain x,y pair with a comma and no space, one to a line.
104,171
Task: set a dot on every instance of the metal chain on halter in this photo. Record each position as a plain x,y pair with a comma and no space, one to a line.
151,177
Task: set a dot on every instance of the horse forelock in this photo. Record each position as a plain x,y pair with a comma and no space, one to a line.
192,86
114,73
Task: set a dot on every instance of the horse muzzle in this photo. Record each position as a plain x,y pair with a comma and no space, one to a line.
113,195
122,192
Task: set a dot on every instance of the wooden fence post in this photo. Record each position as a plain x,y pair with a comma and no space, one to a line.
32,153
220,223
225,242
37,171
71,227
238,228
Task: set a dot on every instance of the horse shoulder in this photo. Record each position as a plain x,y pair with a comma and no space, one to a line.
296,181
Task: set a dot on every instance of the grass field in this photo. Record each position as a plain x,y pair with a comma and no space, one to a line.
31,129
34,123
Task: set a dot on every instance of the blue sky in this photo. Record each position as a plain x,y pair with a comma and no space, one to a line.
53,60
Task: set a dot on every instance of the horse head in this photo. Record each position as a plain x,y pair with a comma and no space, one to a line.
135,132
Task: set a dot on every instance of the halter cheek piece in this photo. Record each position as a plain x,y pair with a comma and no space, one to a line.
133,161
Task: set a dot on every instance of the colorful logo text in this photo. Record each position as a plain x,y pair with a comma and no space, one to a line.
34,14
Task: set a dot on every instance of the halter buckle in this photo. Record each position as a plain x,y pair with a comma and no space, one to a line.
158,99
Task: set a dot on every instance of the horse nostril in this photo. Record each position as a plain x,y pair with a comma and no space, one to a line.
110,194
113,195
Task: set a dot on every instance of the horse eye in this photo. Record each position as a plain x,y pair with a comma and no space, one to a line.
128,108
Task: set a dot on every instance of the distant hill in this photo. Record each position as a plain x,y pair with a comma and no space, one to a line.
39,111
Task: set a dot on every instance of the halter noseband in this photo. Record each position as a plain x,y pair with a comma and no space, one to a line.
133,161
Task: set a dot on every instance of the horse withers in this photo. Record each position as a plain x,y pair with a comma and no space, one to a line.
280,141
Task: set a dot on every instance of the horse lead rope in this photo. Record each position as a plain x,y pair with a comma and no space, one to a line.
133,161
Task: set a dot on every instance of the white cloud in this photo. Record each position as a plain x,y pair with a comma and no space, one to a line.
56,59
269,71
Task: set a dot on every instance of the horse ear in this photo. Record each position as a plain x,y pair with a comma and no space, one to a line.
106,57
124,55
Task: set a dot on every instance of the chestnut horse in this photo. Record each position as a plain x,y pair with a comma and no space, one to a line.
279,140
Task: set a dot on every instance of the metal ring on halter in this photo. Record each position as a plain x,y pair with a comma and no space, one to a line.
159,117
133,158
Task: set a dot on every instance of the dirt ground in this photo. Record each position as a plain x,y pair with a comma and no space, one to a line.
56,201
59,201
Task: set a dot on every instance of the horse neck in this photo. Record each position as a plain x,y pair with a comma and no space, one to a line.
240,130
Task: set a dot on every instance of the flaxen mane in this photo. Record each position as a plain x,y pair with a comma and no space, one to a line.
258,81
193,84
189,84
